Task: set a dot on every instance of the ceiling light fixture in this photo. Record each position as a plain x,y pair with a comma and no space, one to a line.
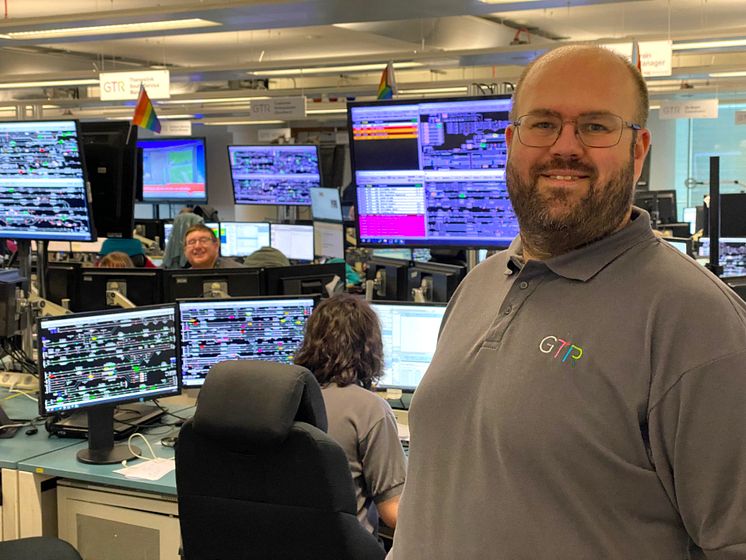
111,29
216,122
334,69
454,89
724,43
49,83
160,117
325,111
211,100
738,74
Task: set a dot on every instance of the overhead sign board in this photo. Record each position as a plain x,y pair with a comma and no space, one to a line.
122,86
278,108
655,56
689,109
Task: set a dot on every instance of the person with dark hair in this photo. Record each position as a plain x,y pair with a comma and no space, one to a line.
343,349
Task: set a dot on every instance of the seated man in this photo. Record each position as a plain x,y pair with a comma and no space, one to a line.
202,249
266,257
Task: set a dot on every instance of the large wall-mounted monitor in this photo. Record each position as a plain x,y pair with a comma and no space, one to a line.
213,331
94,361
732,255
410,334
43,190
295,241
240,239
173,170
432,172
110,154
276,174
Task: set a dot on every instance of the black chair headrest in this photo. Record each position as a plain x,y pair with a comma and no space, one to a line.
248,403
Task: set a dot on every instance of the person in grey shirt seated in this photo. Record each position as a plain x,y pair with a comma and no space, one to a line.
586,397
344,350
202,249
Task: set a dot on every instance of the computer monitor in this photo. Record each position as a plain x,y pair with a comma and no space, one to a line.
402,254
43,182
94,361
733,215
732,255
97,286
111,161
295,241
390,277
169,226
329,240
62,282
213,331
432,172
436,281
173,170
276,174
240,239
661,205
690,217
212,283
332,159
682,244
304,279
326,205
410,334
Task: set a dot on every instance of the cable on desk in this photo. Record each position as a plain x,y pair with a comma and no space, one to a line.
165,410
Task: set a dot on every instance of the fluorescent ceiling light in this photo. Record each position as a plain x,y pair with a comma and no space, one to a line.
48,83
709,44
334,69
160,117
454,89
111,29
211,100
219,122
738,74
324,111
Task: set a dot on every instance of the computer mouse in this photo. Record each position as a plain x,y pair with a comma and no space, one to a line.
32,430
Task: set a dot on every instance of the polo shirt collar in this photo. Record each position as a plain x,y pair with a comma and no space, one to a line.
584,263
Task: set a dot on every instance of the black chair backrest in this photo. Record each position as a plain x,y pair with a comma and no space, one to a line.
257,476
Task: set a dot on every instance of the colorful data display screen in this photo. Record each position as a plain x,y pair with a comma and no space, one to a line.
43,192
173,170
432,172
282,175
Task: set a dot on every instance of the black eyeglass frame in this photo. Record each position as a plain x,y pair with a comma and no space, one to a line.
625,124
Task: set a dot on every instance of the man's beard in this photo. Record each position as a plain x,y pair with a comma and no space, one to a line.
598,214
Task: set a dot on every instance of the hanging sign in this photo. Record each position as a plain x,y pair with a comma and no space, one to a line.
122,86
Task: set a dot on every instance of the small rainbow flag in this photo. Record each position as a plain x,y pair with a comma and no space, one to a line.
145,116
387,85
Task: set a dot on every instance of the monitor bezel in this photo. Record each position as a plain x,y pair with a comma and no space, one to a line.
117,401
315,299
233,186
402,388
140,187
93,235
417,101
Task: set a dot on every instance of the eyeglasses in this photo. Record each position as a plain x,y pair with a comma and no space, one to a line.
594,131
199,241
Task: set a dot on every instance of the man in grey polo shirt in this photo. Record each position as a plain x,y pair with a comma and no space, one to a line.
587,397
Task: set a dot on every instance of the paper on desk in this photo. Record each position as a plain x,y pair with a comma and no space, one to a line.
149,470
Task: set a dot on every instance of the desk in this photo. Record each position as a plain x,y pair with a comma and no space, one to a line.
33,465
16,449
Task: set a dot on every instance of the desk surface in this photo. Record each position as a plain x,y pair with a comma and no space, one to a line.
21,446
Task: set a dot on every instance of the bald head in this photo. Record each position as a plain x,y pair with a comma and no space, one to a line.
581,58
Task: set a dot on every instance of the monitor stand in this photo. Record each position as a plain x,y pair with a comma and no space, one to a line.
101,449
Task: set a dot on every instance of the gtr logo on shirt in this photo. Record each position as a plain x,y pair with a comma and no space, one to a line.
562,349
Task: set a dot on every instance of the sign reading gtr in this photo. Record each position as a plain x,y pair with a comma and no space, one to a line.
122,86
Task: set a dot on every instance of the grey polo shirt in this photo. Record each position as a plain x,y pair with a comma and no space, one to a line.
364,425
587,407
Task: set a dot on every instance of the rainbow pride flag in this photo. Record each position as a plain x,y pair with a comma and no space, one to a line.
145,116
387,85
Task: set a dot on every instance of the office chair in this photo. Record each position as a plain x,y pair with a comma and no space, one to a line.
38,548
258,478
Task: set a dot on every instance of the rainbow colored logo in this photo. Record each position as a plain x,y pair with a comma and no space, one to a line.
553,344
